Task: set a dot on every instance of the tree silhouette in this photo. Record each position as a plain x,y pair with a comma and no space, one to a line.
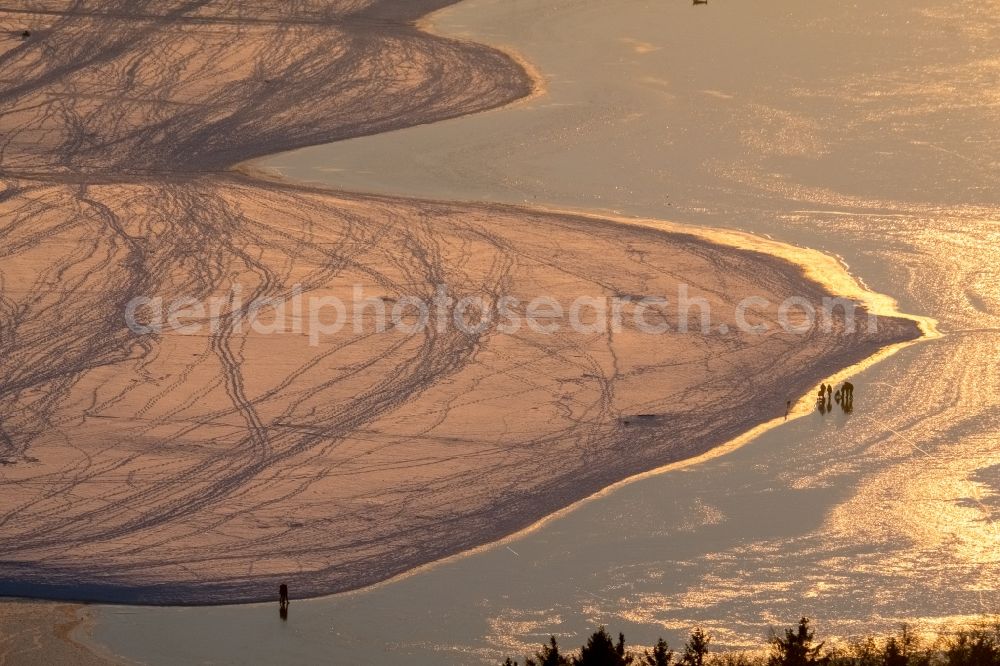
893,654
601,651
548,656
696,648
796,649
661,655
910,646
974,647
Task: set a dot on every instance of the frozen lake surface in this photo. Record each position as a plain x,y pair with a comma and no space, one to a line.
866,130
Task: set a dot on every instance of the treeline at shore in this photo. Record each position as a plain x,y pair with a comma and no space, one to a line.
977,645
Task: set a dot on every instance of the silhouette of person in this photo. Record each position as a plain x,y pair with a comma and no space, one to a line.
847,396
829,393
821,399
788,407
283,595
